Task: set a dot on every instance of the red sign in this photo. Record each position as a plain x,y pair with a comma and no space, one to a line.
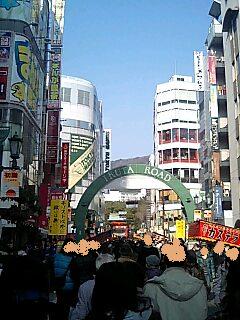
52,137
214,232
3,82
65,165
212,69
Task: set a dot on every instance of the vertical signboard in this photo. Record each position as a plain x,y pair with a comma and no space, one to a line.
213,105
5,44
81,159
198,70
65,165
214,134
58,217
216,165
3,83
212,69
107,143
10,183
52,136
218,210
180,229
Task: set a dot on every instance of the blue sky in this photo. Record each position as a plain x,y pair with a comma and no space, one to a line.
126,47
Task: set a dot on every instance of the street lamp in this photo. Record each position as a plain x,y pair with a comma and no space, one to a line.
208,200
196,199
15,148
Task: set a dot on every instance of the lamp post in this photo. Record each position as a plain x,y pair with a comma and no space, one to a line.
15,148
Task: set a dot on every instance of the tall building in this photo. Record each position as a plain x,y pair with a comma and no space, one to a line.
214,151
227,12
23,46
176,143
81,122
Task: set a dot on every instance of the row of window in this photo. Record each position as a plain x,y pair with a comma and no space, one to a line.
79,124
185,175
178,155
83,97
177,120
176,101
15,116
178,134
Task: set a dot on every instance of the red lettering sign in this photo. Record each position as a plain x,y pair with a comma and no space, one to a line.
65,165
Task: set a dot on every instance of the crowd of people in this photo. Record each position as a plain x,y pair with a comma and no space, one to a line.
122,280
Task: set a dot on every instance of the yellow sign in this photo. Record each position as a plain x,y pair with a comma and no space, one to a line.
180,229
58,217
81,166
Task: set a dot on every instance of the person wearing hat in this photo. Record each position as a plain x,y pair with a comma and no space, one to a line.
152,267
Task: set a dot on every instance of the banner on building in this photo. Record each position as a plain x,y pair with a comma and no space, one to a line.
27,76
58,217
55,80
213,103
3,83
52,136
81,157
180,229
199,70
212,69
65,165
10,183
107,142
214,134
216,158
218,210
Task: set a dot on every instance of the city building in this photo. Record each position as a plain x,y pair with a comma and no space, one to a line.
23,70
227,13
214,150
176,146
82,128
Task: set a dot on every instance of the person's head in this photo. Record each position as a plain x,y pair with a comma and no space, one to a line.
126,251
103,258
152,261
196,247
66,241
114,292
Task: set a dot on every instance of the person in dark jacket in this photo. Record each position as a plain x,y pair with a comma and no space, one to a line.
153,267
144,252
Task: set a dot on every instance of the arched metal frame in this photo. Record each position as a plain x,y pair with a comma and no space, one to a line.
171,181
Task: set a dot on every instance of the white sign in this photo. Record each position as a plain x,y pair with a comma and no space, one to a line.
213,101
198,70
10,183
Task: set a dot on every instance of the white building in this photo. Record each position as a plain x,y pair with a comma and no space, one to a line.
81,120
176,142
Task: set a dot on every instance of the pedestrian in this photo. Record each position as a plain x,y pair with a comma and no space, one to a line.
152,267
115,295
126,253
145,251
64,285
83,306
176,295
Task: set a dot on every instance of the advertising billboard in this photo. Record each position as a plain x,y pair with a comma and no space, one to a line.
213,104
58,217
198,70
81,157
27,76
180,229
216,158
52,136
107,154
65,165
10,183
212,69
5,44
214,134
3,83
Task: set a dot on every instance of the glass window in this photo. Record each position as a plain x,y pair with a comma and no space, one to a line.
194,175
184,135
184,155
192,135
3,114
186,176
175,120
175,134
182,101
166,136
175,154
191,102
16,116
176,172
193,155
160,137
66,94
83,97
160,157
167,155
165,102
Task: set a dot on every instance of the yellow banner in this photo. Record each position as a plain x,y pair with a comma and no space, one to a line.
81,166
180,229
58,222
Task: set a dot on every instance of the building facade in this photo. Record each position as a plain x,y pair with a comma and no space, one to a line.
214,151
82,128
227,13
176,144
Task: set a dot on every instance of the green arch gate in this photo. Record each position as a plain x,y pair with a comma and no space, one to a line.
140,169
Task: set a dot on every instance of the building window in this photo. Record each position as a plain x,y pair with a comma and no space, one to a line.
16,116
176,172
175,155
182,101
191,102
160,157
174,101
192,135
194,175
66,94
185,177
83,97
166,136
167,156
3,114
175,134
183,135
193,155
160,137
165,102
184,155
